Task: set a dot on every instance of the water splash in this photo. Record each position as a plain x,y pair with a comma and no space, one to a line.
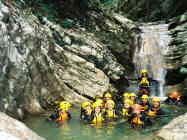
150,55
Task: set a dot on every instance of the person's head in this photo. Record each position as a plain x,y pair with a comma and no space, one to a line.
110,104
126,96
145,99
107,96
127,103
97,107
86,105
144,73
133,96
156,102
175,95
64,105
89,107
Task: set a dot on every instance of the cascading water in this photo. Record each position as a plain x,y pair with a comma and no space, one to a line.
150,55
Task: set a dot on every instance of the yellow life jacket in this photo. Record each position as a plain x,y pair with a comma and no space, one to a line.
145,107
125,112
137,121
110,114
62,117
153,112
133,102
98,118
144,82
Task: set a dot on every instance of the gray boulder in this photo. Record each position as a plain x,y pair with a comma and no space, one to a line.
12,129
175,130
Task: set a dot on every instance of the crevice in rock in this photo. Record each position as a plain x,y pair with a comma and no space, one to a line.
79,93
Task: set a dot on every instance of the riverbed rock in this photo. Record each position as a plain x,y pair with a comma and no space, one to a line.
12,129
175,130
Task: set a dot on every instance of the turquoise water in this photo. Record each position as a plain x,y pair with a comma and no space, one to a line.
76,130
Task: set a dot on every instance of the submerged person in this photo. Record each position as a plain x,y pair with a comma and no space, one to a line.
137,118
174,98
110,112
126,110
145,102
62,113
155,109
133,98
97,114
86,112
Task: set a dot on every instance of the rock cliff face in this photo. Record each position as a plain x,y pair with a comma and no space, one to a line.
176,59
147,10
44,63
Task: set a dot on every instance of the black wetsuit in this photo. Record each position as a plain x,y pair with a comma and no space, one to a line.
85,117
172,101
146,106
55,116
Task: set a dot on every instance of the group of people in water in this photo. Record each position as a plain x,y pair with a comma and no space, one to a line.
137,109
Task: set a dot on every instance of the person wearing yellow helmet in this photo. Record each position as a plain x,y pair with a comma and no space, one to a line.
62,113
107,96
133,98
97,114
110,112
155,109
126,109
144,82
145,102
86,111
64,105
126,96
137,118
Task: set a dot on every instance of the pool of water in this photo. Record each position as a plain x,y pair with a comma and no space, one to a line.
77,130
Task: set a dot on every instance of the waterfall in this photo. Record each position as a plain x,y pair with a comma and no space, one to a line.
150,54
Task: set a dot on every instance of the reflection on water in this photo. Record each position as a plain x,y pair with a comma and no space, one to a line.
76,130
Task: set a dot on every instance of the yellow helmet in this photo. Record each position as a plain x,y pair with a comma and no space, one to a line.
145,96
132,95
85,104
99,101
126,94
64,105
110,102
108,95
156,99
144,71
96,104
127,101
